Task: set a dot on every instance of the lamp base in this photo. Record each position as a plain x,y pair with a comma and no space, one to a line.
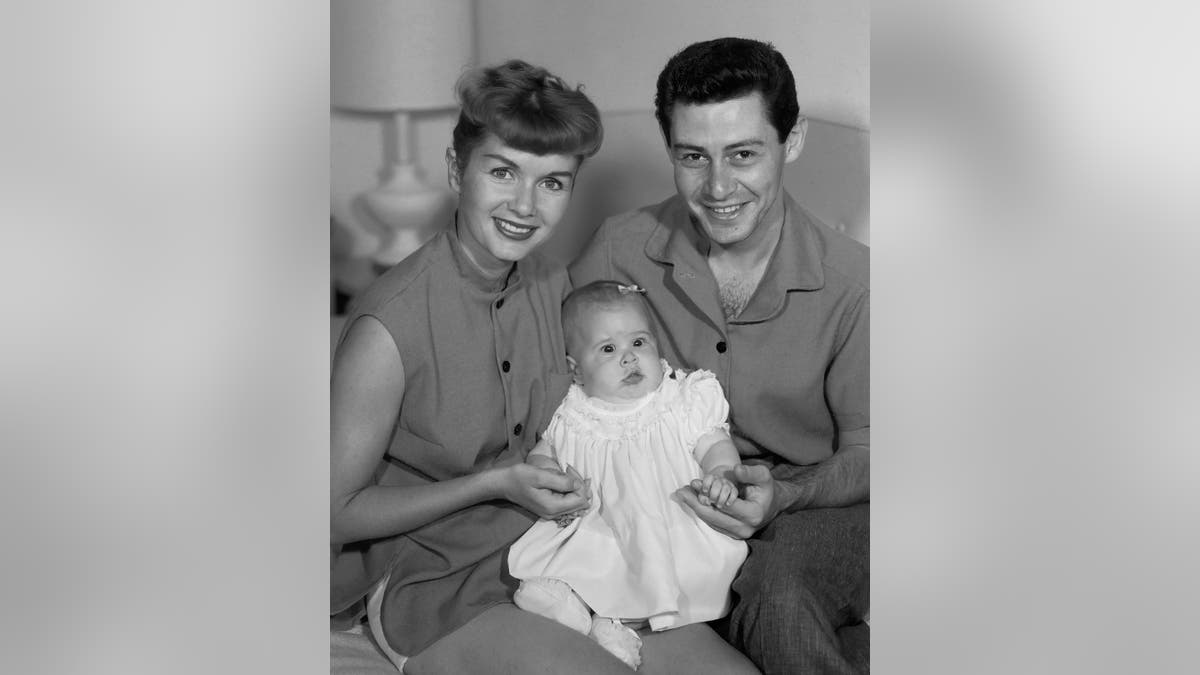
411,210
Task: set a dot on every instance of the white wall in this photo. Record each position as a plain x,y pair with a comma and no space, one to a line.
616,49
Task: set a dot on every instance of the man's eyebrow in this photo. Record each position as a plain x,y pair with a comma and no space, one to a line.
753,142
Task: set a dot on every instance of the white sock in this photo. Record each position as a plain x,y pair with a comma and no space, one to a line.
620,640
554,599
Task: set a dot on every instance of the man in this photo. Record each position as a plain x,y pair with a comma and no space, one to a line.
745,283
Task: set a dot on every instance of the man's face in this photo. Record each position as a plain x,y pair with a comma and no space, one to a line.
729,167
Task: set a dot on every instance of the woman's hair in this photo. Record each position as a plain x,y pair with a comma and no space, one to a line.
527,108
596,295
723,69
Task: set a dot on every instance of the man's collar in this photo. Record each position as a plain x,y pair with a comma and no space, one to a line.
674,239
795,265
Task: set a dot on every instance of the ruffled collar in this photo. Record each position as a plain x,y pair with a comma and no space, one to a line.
620,420
622,407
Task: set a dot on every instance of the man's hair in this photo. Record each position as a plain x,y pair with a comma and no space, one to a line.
597,295
723,69
527,108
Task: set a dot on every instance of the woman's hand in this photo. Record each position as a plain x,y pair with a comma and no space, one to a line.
546,492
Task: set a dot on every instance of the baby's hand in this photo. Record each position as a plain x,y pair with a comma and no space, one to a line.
717,490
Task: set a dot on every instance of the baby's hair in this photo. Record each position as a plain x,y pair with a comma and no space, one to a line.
600,294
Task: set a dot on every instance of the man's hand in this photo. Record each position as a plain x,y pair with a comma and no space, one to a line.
754,507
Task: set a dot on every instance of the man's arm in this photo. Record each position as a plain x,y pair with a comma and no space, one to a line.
842,480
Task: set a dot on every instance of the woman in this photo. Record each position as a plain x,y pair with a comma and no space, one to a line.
449,367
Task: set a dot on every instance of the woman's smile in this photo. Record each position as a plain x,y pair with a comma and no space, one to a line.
514,230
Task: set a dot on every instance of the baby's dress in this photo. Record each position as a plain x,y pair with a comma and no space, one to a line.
638,553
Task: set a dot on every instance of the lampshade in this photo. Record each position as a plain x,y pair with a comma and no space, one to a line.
389,55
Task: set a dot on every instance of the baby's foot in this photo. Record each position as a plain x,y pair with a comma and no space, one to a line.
620,640
553,599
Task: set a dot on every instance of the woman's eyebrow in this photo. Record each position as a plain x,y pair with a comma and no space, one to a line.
501,158
513,165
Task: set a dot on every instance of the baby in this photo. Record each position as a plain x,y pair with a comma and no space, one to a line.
636,431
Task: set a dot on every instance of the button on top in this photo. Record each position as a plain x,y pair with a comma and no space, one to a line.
517,430
505,366
721,347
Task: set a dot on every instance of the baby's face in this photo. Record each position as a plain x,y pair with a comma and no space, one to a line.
614,355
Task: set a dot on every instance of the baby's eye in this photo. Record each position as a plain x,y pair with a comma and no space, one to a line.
607,349
638,342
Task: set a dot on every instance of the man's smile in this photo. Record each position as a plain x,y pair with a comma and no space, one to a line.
728,212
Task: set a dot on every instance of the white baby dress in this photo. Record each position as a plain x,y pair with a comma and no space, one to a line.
638,553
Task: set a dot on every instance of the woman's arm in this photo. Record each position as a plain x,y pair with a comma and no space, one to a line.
366,390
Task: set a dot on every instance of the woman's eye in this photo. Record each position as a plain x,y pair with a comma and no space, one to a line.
552,184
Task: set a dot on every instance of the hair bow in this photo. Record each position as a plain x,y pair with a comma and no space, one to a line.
630,288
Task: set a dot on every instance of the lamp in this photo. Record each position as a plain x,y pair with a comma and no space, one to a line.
399,57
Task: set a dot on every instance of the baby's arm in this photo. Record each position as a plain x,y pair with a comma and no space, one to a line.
542,456
717,456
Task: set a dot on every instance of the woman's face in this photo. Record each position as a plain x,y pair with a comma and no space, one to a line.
509,201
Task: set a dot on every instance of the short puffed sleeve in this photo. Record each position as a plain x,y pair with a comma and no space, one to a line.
703,404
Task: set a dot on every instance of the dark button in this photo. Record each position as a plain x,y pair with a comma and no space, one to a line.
505,366
721,347
499,303
517,430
